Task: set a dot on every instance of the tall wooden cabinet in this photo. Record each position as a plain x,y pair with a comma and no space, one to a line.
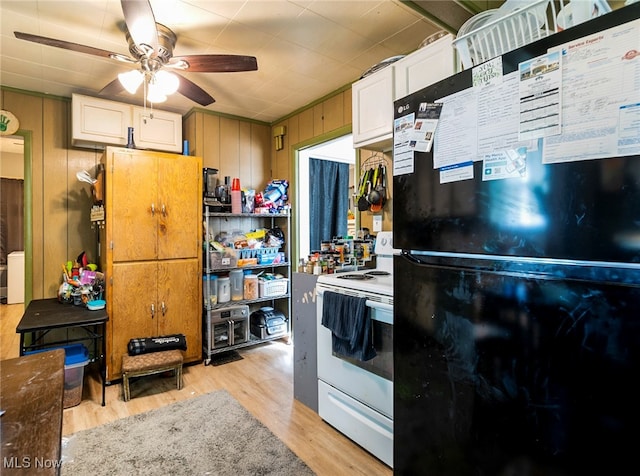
150,249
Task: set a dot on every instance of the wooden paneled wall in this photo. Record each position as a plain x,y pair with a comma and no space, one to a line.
246,149
235,147
317,121
61,205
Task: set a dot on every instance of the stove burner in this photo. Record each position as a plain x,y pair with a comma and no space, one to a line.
357,277
378,272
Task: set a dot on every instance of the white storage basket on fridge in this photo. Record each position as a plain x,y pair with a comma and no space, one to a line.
517,23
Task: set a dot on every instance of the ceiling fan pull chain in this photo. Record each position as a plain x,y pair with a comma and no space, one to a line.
144,85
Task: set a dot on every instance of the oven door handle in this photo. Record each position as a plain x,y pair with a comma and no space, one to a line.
372,304
379,305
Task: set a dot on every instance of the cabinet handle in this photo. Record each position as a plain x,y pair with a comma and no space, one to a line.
153,209
163,308
153,310
164,210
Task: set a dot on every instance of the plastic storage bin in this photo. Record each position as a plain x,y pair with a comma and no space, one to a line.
273,287
223,259
76,357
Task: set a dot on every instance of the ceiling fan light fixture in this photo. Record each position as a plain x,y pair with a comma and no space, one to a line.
155,93
167,82
131,80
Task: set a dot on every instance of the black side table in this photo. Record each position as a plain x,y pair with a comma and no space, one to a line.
43,315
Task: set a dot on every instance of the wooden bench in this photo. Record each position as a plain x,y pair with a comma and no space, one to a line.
149,364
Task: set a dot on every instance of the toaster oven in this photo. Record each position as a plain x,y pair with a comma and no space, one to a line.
226,327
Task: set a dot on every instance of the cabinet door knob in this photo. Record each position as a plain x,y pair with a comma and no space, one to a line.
153,209
164,210
153,310
163,308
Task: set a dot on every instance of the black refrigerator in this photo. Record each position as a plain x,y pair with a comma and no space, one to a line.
517,300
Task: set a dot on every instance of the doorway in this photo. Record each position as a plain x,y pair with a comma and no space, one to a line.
13,192
339,149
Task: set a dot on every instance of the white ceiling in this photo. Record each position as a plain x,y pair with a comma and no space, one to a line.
305,49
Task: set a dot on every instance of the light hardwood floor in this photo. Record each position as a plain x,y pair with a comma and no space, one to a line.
262,382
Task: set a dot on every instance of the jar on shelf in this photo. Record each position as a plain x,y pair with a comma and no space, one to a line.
210,290
236,281
251,286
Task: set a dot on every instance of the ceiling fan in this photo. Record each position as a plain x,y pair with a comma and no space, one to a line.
151,46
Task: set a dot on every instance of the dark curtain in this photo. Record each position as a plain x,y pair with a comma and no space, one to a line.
328,200
11,217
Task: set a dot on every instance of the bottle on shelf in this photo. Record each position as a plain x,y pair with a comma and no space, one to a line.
130,142
224,289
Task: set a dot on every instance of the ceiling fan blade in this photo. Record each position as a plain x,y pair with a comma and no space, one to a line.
67,45
194,92
113,88
141,24
216,63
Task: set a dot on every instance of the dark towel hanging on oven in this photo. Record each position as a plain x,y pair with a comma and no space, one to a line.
348,319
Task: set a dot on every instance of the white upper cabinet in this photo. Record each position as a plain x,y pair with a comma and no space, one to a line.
424,67
98,122
372,102
373,95
155,129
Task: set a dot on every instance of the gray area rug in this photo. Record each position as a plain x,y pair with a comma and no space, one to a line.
208,435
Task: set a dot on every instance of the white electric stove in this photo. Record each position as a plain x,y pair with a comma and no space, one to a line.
354,396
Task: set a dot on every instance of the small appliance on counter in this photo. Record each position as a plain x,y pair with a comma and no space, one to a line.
214,195
209,182
267,323
224,328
